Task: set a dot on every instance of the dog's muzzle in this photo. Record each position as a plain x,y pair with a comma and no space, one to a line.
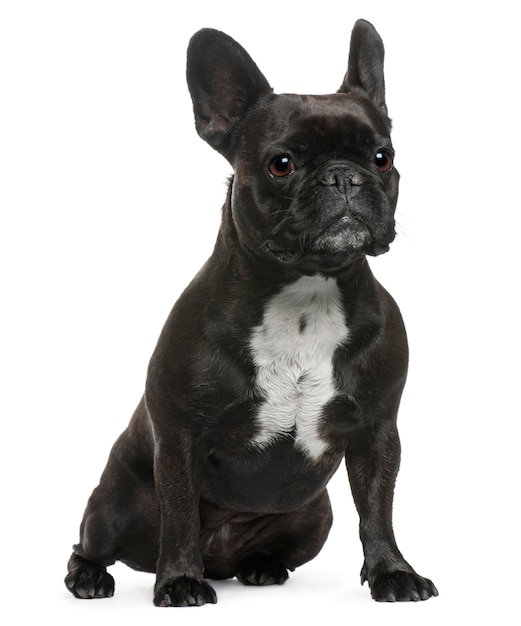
340,217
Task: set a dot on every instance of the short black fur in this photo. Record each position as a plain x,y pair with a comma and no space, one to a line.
187,492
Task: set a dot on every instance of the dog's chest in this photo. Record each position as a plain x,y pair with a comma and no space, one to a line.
293,352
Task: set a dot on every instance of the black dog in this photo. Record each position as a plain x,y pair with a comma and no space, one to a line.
282,357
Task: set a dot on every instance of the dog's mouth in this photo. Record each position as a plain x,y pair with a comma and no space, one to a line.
333,247
321,258
284,255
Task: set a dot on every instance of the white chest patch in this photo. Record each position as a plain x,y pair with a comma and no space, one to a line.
293,352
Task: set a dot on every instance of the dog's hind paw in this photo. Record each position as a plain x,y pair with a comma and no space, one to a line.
402,586
262,570
87,580
184,591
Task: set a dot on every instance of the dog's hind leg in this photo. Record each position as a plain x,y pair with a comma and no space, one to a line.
121,521
114,528
87,580
290,540
87,567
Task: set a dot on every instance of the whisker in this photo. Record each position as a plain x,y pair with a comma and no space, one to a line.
280,224
301,242
400,229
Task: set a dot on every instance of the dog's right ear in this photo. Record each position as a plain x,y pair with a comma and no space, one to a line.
365,72
224,83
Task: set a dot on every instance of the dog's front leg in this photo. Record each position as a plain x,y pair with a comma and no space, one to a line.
372,461
179,571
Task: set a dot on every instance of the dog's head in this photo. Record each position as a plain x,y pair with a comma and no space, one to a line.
314,184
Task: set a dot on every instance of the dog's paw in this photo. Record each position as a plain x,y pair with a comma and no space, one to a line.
184,591
262,570
401,587
88,581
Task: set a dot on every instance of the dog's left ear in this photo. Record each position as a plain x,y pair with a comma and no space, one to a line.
224,83
365,70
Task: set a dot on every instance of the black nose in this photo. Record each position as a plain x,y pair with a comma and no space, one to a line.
342,176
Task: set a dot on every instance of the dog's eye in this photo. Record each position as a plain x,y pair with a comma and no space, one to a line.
281,166
383,160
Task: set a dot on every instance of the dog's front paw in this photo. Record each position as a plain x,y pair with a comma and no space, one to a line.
262,570
184,591
401,587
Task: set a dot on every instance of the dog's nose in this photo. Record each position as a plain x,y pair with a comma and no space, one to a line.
343,177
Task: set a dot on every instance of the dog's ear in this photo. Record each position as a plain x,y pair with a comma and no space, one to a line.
365,70
224,83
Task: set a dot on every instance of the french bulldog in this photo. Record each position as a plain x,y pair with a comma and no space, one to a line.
283,356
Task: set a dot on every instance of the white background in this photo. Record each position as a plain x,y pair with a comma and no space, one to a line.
109,205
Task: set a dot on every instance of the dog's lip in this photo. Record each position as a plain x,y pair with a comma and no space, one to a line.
288,255
378,249
284,255
325,259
